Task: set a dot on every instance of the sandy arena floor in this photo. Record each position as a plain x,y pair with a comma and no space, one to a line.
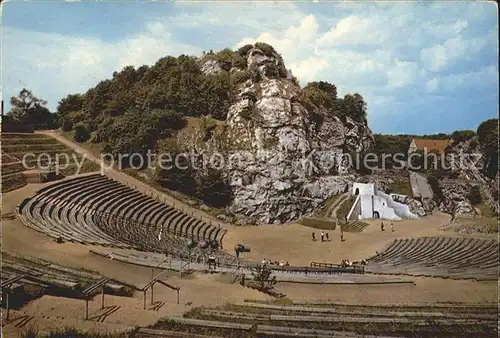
290,243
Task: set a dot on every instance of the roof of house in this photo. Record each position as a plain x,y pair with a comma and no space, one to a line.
438,145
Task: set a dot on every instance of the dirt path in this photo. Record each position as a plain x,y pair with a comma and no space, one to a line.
332,210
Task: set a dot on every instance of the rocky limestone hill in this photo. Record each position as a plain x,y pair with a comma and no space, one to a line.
284,159
466,161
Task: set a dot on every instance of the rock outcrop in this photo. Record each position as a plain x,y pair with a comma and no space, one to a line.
211,67
416,207
466,160
464,209
284,160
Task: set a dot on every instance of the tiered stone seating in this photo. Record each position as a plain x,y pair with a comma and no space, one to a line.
51,277
97,210
256,319
447,257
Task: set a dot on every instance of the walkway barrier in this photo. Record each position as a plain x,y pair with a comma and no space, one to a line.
337,268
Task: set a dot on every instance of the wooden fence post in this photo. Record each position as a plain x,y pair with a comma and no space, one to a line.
86,308
7,303
180,268
102,297
152,286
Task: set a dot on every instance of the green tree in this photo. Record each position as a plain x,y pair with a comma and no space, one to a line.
487,133
436,188
355,106
321,94
175,171
263,276
462,135
243,51
475,195
71,103
82,133
267,49
216,90
212,189
27,109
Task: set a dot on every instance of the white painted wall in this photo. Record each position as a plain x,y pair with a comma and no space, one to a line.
381,205
363,188
366,202
371,200
400,209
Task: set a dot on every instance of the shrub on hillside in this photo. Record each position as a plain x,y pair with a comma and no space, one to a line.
436,188
475,195
462,135
82,133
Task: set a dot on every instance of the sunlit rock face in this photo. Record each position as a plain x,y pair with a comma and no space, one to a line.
282,163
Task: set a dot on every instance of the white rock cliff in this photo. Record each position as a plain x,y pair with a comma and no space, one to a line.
283,164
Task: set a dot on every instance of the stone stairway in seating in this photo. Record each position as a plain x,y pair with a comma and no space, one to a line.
356,226
94,209
446,257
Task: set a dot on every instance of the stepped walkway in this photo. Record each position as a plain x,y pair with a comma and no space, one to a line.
420,187
228,264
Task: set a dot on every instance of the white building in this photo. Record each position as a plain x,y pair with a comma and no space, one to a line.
372,203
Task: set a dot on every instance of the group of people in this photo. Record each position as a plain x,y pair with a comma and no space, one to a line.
324,236
265,262
382,227
346,263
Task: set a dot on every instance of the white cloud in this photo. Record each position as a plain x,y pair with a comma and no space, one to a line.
445,30
309,69
439,57
432,85
401,74
292,42
72,64
482,78
354,30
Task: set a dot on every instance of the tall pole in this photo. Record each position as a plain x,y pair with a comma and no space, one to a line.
152,286
86,308
144,299
7,293
102,297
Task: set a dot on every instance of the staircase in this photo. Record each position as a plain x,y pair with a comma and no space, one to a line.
356,226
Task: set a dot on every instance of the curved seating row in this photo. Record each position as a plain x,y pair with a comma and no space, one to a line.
447,257
97,210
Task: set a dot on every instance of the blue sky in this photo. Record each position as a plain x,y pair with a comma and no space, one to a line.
422,67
